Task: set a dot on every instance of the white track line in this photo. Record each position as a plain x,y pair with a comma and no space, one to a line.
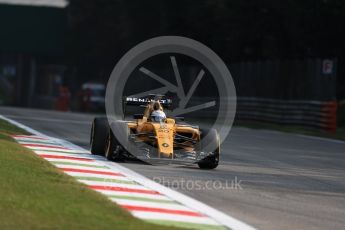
174,217
62,161
141,195
81,155
114,184
35,148
105,177
151,204
64,166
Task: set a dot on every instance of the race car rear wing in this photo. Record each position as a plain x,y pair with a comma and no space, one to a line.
143,101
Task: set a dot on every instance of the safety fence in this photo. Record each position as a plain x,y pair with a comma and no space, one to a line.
312,114
321,115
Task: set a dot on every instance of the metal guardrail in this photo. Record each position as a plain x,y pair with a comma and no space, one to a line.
313,114
305,113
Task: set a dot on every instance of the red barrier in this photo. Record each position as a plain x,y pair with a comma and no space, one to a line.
330,108
63,100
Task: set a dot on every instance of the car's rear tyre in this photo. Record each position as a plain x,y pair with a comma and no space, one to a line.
116,145
211,145
99,134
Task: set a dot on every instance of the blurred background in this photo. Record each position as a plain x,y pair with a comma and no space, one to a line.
287,58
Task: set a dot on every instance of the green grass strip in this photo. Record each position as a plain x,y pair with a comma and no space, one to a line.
143,199
78,164
6,127
187,225
105,180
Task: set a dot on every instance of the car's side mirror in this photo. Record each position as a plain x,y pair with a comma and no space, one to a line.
138,116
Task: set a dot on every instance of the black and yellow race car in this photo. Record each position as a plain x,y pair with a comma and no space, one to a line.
154,139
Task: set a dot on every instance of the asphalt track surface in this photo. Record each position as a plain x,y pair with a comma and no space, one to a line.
268,179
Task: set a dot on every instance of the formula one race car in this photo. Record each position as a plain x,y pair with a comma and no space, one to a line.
154,138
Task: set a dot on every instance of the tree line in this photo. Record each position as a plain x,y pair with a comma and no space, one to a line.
101,31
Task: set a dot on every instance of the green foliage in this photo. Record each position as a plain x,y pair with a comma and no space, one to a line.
103,30
235,29
9,129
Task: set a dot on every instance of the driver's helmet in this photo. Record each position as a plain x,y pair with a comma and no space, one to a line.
158,116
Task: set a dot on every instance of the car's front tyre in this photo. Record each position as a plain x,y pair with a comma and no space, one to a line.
99,134
116,145
211,145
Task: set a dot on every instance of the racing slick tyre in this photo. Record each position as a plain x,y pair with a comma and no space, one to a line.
212,147
114,146
99,134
